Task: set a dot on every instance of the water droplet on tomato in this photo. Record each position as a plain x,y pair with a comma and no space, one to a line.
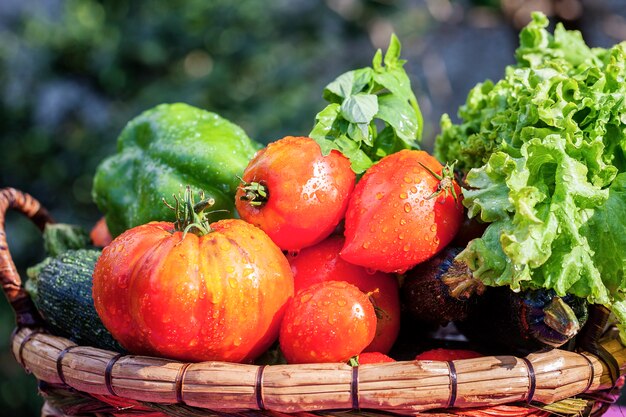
403,196
357,311
414,190
407,207
402,222
366,245
433,227
306,298
237,341
341,302
408,179
421,203
232,282
379,196
406,247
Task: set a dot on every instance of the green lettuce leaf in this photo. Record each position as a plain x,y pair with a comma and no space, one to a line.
543,151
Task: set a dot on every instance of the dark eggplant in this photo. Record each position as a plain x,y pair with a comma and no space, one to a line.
523,322
439,290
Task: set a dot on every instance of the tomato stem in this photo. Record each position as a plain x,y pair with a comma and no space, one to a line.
191,216
446,181
255,193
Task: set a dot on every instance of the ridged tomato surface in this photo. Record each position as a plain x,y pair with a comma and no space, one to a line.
220,296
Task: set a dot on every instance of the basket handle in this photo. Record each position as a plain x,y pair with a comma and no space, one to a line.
26,314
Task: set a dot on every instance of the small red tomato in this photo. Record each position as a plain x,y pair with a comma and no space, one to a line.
321,262
441,354
99,234
374,357
328,322
402,212
294,193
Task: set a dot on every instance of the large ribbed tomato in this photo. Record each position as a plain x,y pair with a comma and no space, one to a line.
220,296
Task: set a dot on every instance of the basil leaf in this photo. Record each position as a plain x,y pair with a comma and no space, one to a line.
366,100
400,116
360,108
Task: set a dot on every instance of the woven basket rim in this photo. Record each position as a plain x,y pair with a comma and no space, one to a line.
398,387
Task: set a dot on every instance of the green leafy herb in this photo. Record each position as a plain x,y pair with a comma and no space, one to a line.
364,100
544,150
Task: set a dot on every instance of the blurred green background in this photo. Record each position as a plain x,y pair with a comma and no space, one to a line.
73,72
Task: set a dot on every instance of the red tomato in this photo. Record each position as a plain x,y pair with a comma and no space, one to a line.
220,296
400,214
321,262
374,357
292,192
99,234
327,322
441,354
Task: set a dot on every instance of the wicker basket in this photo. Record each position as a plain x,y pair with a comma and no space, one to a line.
82,380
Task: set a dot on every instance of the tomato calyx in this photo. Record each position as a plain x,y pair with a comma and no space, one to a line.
255,193
191,216
380,313
446,181
354,361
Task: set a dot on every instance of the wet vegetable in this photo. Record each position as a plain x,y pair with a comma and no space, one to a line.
161,150
294,193
440,290
193,291
403,211
545,157
330,321
372,112
61,287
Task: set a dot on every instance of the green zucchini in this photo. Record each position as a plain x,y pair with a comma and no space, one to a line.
60,287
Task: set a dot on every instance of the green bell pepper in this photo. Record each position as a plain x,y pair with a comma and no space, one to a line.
163,150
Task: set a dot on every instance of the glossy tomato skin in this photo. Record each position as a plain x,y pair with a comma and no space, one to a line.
327,322
99,234
374,357
308,193
391,223
216,297
321,262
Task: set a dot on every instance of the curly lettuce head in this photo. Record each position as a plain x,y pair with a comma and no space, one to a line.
544,153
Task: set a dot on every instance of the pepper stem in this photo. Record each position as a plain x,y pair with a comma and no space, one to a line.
189,215
255,193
